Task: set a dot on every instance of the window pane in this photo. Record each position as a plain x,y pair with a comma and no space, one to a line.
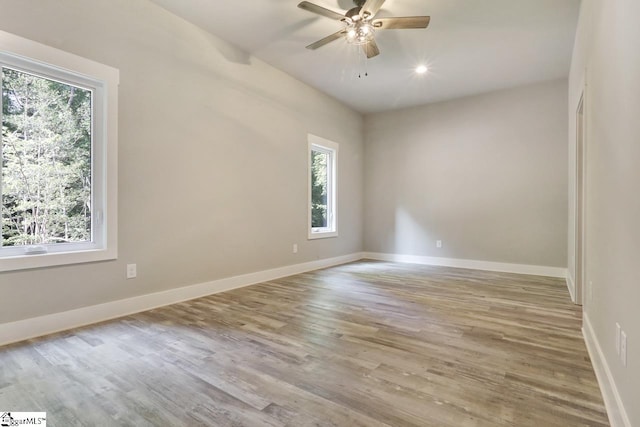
46,161
319,186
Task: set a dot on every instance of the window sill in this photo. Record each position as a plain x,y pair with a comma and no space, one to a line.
322,235
25,262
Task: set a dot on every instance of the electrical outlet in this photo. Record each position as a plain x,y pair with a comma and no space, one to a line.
623,348
618,331
438,243
295,248
132,271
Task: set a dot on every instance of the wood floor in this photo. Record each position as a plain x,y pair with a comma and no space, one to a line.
364,344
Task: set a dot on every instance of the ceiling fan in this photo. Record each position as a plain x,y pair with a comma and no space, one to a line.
361,24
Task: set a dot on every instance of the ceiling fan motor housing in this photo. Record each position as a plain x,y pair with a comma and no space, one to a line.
353,14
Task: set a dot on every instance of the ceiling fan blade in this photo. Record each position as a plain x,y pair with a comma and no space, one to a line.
371,49
326,40
401,23
323,11
371,7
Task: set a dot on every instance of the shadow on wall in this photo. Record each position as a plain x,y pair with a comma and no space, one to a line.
410,237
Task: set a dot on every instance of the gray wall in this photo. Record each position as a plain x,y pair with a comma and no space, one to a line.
212,157
487,175
607,59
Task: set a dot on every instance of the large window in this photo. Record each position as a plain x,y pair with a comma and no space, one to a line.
46,161
323,161
57,151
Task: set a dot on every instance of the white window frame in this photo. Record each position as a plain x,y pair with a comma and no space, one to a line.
34,58
317,143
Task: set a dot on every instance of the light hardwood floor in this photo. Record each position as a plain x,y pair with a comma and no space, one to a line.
363,344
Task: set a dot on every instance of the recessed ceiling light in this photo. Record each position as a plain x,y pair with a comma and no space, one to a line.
421,69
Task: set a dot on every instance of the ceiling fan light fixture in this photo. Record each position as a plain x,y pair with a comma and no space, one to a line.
360,32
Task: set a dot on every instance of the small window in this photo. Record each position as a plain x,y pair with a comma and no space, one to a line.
57,166
323,161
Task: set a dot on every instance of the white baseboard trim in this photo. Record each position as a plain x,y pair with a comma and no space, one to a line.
615,409
35,327
535,270
572,287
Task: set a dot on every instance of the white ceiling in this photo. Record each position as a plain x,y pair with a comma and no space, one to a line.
471,46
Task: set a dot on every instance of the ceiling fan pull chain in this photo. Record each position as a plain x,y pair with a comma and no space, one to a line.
362,59
366,71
